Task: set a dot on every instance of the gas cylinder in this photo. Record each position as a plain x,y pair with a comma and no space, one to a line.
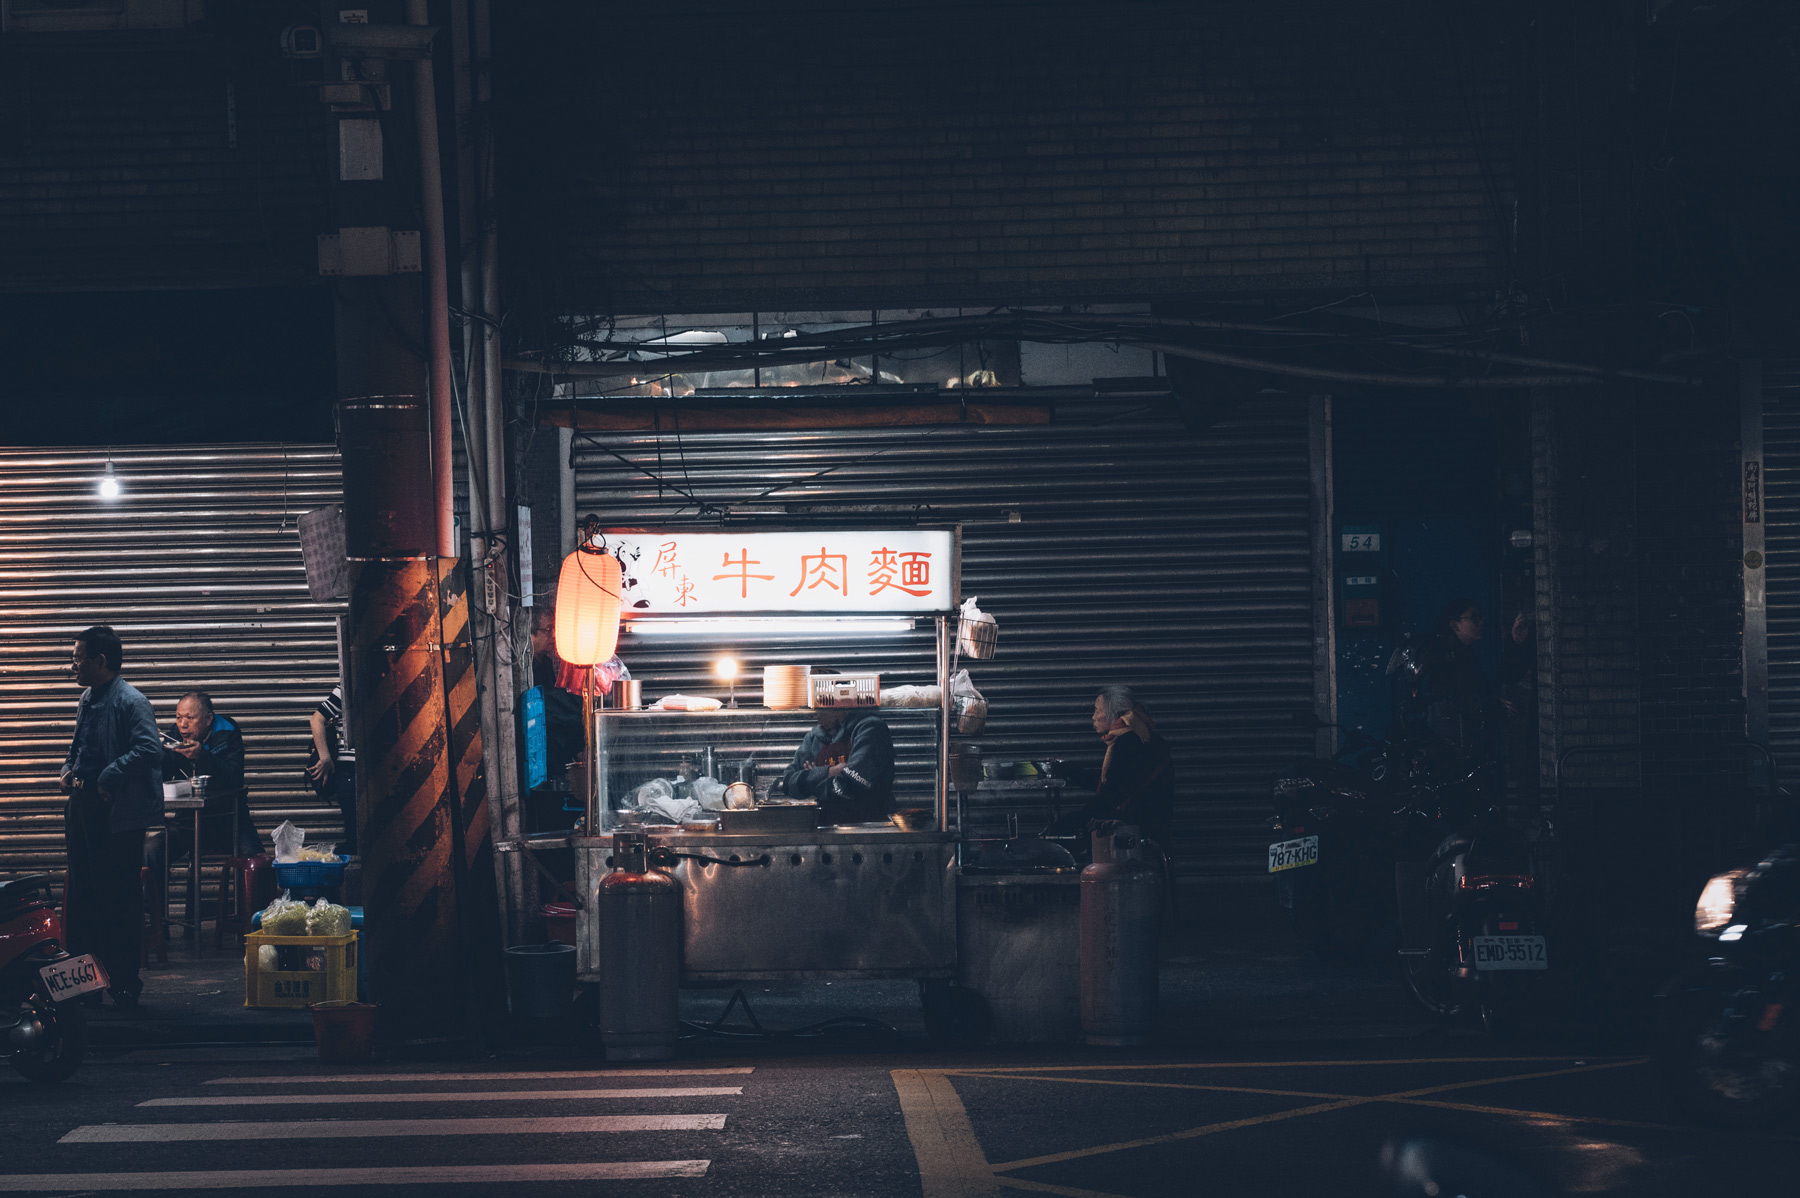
640,954
1121,896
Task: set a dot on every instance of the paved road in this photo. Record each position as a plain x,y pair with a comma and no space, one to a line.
1307,1120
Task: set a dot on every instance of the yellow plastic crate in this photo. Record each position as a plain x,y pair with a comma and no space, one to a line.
301,986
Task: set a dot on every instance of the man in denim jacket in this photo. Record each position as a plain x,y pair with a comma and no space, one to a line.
113,777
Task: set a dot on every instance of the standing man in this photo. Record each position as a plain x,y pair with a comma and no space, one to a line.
113,778
212,746
333,768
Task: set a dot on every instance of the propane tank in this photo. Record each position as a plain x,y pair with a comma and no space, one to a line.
1121,897
640,954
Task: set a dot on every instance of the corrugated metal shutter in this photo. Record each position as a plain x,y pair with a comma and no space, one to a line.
1111,545
198,566
1781,504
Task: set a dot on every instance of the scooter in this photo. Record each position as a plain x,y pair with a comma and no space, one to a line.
1727,1031
1331,855
1470,926
41,1020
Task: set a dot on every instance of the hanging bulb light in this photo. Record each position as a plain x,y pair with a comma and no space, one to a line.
109,485
587,607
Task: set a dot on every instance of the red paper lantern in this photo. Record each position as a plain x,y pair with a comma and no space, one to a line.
587,607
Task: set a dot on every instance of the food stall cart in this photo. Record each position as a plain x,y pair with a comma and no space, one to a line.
766,893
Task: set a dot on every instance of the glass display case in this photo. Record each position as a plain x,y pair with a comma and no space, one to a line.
634,747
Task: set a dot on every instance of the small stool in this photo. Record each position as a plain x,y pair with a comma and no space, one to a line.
244,877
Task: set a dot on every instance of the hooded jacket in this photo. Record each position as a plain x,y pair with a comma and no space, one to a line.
863,791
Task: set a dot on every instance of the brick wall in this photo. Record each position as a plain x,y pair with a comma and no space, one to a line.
1640,592
1584,489
1691,588
903,154
156,161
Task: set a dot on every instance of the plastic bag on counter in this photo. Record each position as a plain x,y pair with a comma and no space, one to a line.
710,792
967,707
285,917
651,791
671,810
911,696
288,840
687,703
327,919
977,633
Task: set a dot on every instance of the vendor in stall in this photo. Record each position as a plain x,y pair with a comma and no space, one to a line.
1135,782
847,764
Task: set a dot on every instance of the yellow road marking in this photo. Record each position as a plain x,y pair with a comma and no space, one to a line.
1275,1117
1044,1187
1599,1059
951,1163
1101,1081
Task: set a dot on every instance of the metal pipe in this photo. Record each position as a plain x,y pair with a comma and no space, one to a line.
508,677
565,480
468,263
943,747
437,290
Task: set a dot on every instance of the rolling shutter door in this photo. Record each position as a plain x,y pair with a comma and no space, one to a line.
197,565
1781,500
1111,545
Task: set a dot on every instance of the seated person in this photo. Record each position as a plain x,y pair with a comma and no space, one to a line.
1135,782
847,764
210,745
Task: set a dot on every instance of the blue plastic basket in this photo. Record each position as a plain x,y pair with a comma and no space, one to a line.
308,875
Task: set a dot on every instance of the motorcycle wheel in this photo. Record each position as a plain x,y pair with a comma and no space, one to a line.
64,1039
1723,1070
1429,980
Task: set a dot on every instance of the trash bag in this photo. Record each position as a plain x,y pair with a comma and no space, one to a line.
288,840
977,633
967,707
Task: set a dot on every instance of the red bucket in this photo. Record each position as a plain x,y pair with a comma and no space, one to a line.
559,922
344,1031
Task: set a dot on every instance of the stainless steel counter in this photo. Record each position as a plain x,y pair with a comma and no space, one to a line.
835,903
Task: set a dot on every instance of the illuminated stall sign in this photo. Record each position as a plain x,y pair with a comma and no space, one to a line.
682,573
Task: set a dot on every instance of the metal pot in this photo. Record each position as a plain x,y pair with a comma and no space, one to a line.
627,694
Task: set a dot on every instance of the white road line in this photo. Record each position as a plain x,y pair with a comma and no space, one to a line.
462,1096
342,1078
257,1179
333,1129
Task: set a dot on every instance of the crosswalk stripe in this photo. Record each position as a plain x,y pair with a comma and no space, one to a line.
333,1129
455,1096
345,1078
230,1179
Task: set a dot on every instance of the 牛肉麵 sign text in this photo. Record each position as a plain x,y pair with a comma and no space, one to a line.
680,573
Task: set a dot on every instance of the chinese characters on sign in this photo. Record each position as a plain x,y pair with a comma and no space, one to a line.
786,572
